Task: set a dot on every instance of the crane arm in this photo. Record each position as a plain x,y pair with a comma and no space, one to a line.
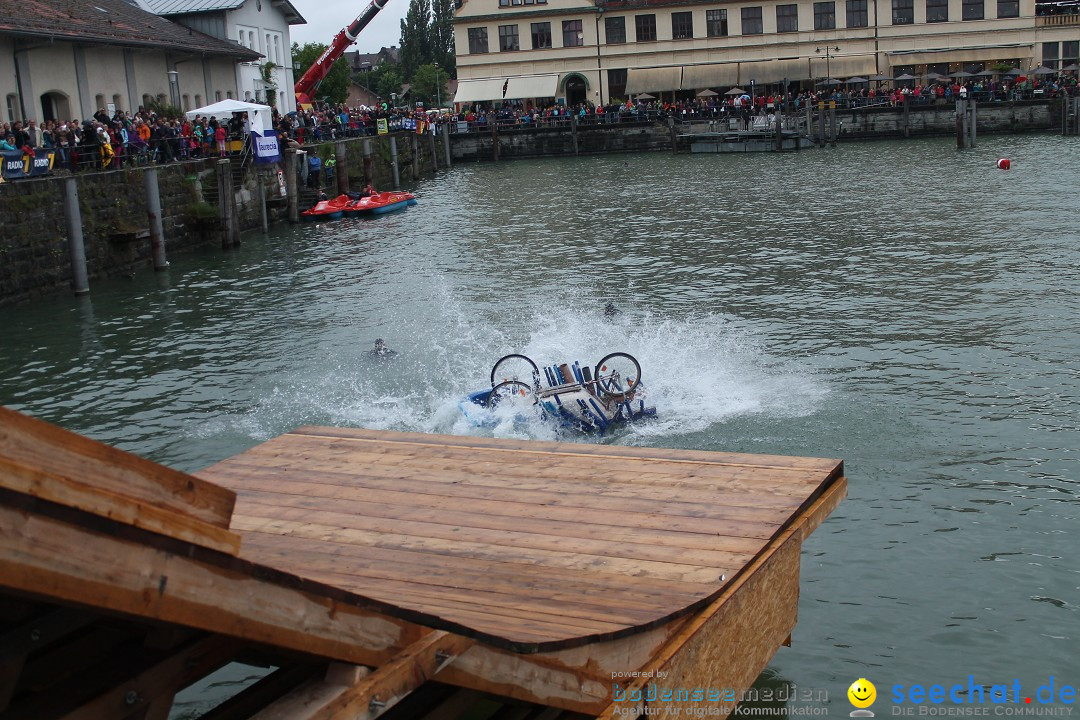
306,86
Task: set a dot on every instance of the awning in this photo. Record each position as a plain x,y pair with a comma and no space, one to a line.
699,77
988,53
843,67
531,86
480,90
768,72
642,80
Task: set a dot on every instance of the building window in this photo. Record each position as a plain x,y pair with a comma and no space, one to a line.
682,25
116,101
571,33
187,103
541,35
856,13
1070,52
243,41
646,27
903,12
716,23
1008,8
1050,54
198,101
751,21
937,11
787,18
477,41
228,94
13,108
616,80
217,96
266,48
251,39
508,38
277,50
973,9
825,15
615,30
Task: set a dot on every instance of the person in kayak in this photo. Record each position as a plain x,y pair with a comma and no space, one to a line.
381,351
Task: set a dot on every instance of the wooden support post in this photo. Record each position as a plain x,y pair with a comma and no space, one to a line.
972,110
779,131
961,125
832,123
291,189
230,223
394,162
434,152
76,249
821,124
342,167
494,139
153,215
674,137
414,146
445,132
907,115
573,131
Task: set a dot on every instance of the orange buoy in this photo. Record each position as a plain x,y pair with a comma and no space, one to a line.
1004,164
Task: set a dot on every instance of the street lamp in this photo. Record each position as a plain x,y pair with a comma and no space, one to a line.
438,90
599,71
174,87
828,51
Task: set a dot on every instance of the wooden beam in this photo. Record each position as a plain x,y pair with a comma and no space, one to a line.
256,697
67,563
50,449
16,644
73,493
372,694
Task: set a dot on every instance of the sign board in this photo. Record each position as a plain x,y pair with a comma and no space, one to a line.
267,147
16,164
462,126
110,108
383,127
408,124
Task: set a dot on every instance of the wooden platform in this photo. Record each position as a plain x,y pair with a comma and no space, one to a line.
525,545
393,574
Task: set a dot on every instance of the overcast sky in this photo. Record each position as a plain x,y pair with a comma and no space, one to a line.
325,18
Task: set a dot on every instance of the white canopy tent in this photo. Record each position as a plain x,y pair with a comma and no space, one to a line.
259,116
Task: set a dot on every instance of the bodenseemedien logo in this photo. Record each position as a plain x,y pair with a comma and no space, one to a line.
862,694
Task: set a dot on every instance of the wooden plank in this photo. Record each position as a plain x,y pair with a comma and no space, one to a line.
120,508
256,697
47,557
17,643
382,436
375,693
36,444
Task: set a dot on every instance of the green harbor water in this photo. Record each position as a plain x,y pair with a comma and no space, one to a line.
904,306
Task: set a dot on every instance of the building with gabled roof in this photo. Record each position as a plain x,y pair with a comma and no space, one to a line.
65,60
259,25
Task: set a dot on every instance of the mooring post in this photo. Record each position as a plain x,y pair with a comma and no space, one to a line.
779,131
494,138
262,205
153,214
832,122
961,125
573,131
671,130
369,171
394,162
414,144
342,167
230,235
76,249
973,109
821,124
907,114
291,188
445,132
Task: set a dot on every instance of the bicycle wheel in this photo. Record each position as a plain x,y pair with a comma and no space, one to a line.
515,367
513,391
617,376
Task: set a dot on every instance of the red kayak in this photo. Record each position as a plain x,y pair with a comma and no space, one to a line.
381,202
333,209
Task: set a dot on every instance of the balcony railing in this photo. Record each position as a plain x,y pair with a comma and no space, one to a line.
1056,20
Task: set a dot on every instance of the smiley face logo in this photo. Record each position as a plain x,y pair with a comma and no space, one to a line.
862,694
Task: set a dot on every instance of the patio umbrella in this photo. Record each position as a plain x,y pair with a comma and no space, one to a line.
881,78
905,76
854,80
1014,72
1071,68
707,93
1043,70
985,73
646,96
960,75
829,83
735,91
936,76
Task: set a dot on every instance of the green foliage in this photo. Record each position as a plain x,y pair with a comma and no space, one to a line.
267,72
415,37
424,88
385,81
441,35
335,86
163,109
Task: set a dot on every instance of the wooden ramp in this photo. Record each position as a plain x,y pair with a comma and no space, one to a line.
524,545
393,574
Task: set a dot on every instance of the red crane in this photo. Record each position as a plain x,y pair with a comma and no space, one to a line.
315,74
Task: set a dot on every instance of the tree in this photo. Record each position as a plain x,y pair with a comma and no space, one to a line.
335,86
384,81
442,35
415,37
423,86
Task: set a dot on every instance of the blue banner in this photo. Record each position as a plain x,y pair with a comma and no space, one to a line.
408,124
17,164
267,147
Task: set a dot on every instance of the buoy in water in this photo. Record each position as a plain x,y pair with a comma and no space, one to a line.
1004,164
